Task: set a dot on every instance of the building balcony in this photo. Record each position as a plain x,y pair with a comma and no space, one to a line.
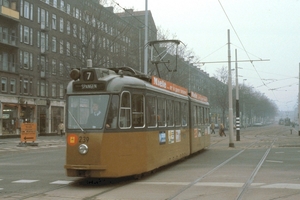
8,39
10,13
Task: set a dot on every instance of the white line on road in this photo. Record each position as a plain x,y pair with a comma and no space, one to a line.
228,184
274,161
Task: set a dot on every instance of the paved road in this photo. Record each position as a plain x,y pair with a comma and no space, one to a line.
263,165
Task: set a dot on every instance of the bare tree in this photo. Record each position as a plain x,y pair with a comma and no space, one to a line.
221,98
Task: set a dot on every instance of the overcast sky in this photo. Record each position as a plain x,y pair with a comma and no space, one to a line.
266,29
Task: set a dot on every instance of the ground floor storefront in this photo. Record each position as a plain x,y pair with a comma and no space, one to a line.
46,113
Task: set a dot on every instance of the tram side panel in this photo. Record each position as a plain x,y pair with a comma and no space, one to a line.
166,146
124,153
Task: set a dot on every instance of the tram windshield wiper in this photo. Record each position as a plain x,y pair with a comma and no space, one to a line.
76,121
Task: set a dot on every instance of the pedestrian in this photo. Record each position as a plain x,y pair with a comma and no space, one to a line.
61,128
212,128
222,130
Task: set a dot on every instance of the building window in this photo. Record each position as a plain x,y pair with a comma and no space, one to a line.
21,33
4,84
26,60
61,68
31,11
74,49
62,5
26,10
21,7
43,89
30,86
53,44
53,90
21,84
68,48
30,61
55,3
61,27
12,86
38,43
61,47
53,66
38,88
26,86
74,30
31,36
26,35
61,90
68,9
53,21
68,27
47,89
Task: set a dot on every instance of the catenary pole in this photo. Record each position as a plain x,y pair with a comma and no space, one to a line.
230,114
146,39
237,109
299,104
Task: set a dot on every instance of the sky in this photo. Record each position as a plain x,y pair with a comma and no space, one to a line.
266,30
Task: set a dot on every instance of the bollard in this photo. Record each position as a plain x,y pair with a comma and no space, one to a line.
291,131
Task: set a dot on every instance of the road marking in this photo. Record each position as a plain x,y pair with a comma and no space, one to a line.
25,181
283,186
274,161
228,184
61,182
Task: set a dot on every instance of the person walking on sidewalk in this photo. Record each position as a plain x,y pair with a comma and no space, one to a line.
222,130
61,128
212,128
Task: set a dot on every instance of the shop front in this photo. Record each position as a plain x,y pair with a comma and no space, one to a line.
46,114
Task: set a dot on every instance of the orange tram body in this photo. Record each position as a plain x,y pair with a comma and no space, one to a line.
142,123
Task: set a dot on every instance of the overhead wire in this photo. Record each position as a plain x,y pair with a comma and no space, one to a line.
239,39
244,47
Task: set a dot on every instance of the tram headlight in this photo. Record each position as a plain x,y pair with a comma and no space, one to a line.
83,149
75,74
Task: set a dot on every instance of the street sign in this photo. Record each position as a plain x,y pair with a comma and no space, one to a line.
28,132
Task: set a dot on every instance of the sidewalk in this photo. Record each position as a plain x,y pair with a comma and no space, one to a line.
252,134
40,140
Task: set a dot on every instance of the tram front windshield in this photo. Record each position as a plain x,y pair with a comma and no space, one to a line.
87,112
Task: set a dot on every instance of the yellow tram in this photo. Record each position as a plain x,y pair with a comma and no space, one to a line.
122,123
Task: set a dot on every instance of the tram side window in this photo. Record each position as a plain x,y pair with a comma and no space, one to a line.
138,107
206,114
199,118
170,113
151,111
201,115
111,121
125,109
184,114
161,111
195,116
177,113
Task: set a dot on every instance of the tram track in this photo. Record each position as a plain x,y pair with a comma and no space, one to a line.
250,179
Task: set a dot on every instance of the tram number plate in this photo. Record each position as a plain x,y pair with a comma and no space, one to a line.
83,139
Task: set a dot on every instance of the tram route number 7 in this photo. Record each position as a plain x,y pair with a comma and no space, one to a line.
28,132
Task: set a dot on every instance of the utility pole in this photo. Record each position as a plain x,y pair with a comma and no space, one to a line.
146,39
237,109
299,104
230,112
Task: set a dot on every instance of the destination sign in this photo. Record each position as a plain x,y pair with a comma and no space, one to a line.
88,86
